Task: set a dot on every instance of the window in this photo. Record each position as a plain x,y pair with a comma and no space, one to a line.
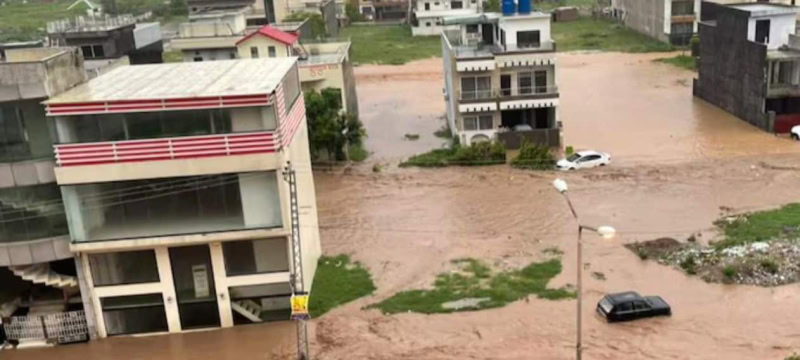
427,6
476,87
134,314
527,39
456,5
272,52
436,3
505,84
92,51
272,301
683,7
129,267
427,23
197,59
254,52
13,137
626,306
682,28
525,80
255,256
540,80
482,122
782,72
472,29
762,31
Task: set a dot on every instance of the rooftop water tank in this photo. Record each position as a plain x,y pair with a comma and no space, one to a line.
508,7
524,7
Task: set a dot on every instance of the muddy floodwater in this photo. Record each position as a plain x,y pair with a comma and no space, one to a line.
678,163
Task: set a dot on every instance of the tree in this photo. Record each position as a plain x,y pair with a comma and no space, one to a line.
493,6
317,23
330,130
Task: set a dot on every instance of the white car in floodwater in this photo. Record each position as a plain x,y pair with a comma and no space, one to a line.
796,132
583,160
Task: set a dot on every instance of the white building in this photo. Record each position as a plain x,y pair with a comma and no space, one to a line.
429,15
172,177
500,79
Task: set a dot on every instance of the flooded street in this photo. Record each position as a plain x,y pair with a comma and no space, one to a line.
679,162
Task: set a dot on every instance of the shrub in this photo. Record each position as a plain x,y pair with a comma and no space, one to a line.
794,356
729,271
534,157
569,150
481,153
770,265
318,29
688,264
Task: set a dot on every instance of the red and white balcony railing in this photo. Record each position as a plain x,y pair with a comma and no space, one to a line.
186,147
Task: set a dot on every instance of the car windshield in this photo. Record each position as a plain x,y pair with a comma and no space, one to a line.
606,305
573,157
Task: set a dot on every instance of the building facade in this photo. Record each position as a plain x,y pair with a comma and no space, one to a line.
37,270
429,15
670,21
172,179
500,79
750,63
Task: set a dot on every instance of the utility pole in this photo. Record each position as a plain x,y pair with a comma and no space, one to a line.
296,279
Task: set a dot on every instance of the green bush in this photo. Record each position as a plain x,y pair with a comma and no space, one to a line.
569,150
534,157
352,13
482,153
770,266
729,271
317,23
794,356
689,265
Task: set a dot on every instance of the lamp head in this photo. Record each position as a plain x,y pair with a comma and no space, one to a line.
560,185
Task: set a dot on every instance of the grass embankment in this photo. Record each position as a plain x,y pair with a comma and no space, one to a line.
480,287
759,226
603,35
377,44
682,61
338,281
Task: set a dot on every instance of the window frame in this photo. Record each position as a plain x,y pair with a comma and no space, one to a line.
523,40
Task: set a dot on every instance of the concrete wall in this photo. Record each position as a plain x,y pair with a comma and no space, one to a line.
731,69
513,25
646,16
779,29
209,54
46,75
451,101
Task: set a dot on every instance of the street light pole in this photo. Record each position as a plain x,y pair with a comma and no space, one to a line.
606,232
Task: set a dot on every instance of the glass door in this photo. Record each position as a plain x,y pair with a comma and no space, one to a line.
194,286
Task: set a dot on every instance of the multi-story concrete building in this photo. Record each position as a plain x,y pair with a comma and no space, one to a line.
670,21
172,181
103,40
500,79
323,65
37,270
750,63
429,14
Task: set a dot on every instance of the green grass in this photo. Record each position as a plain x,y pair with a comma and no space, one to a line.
759,226
376,44
20,21
550,5
476,280
682,61
338,281
477,154
603,35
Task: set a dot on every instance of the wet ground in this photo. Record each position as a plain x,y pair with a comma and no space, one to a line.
678,163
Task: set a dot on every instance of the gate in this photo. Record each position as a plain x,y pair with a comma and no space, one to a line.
60,328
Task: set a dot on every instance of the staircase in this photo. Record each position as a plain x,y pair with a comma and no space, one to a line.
248,309
41,274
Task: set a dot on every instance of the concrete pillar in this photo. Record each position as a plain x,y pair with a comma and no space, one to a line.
72,206
221,284
86,296
168,288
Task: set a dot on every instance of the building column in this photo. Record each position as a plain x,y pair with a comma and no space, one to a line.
91,303
221,285
168,289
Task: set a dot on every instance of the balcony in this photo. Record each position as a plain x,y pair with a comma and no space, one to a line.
533,92
186,147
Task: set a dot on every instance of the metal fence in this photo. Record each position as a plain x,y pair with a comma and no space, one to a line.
60,327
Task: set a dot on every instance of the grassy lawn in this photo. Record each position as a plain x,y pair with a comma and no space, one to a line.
550,5
338,281
373,44
760,226
20,21
479,287
682,61
603,35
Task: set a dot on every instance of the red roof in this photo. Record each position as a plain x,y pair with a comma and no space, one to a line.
272,33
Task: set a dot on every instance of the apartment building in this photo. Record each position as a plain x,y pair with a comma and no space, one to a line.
500,78
323,64
670,21
429,15
172,177
750,63
106,39
37,270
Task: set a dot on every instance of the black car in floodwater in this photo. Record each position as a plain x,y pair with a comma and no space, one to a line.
630,305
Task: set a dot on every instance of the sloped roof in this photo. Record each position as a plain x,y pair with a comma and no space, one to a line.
272,33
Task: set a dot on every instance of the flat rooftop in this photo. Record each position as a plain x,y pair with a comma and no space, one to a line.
765,9
182,80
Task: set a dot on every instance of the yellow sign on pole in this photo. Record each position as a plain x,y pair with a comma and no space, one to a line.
300,307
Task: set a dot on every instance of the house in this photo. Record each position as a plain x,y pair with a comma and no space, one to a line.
322,64
37,269
670,21
211,35
429,14
173,181
106,39
750,63
500,78
262,12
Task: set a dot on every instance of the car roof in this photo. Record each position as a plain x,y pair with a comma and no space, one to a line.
623,296
587,152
